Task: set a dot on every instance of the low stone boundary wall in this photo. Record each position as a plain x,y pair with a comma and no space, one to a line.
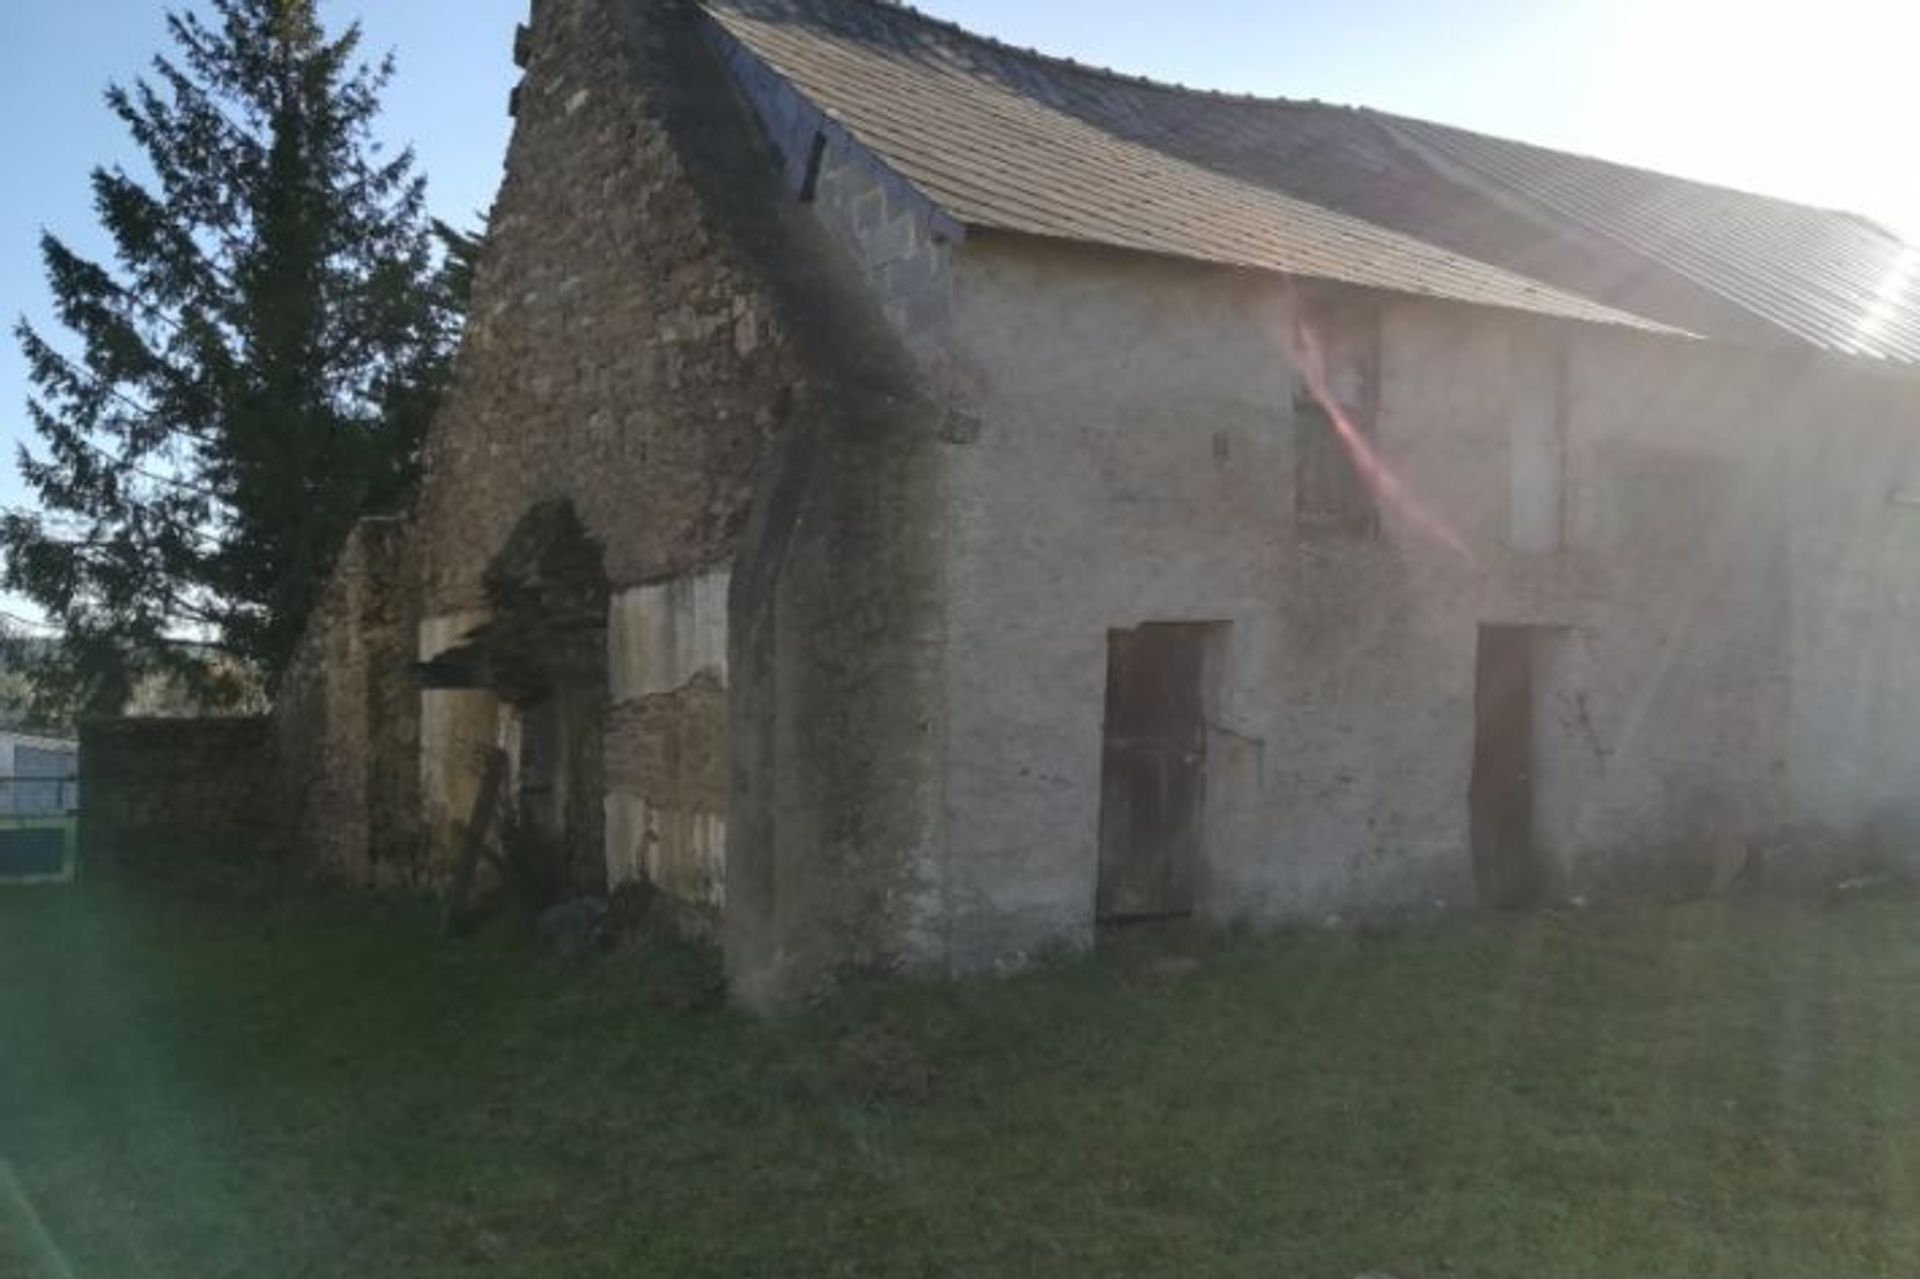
160,795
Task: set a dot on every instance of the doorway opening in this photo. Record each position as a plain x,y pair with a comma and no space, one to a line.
1161,684
1510,870
542,655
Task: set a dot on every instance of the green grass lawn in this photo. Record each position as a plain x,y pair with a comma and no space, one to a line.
323,1088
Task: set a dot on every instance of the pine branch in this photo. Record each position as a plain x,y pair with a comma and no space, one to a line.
146,413
125,466
208,543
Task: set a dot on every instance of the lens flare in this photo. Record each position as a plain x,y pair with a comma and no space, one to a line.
1308,354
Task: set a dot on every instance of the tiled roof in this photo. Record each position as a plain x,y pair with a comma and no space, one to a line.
972,127
1004,137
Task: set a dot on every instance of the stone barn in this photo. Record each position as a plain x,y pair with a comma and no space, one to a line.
914,501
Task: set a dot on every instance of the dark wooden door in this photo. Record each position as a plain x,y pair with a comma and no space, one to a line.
1505,865
1152,771
542,796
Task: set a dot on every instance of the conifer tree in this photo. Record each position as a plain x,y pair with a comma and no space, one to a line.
252,371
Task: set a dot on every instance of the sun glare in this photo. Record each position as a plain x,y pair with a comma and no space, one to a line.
1814,103
1887,298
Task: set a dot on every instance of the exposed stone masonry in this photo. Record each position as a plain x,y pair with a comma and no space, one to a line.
171,797
347,718
618,353
667,342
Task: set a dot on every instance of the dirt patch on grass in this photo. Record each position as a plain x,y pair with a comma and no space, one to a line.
878,1066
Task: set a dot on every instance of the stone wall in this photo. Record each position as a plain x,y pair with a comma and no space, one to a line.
173,796
347,718
620,351
662,335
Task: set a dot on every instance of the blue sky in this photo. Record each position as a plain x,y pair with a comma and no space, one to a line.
1815,103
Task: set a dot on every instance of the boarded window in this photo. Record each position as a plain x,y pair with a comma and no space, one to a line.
1339,371
1538,449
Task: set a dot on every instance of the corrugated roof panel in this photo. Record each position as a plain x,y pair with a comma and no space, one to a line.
1833,279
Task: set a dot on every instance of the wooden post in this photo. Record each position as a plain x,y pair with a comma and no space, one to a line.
493,779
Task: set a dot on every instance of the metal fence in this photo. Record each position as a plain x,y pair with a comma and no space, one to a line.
39,828
39,796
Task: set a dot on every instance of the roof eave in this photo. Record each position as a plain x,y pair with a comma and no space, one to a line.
1621,320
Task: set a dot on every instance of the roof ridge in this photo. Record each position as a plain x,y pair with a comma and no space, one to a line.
1094,68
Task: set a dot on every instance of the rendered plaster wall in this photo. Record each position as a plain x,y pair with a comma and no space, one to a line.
1134,464
1662,731
666,801
1128,469
1855,692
